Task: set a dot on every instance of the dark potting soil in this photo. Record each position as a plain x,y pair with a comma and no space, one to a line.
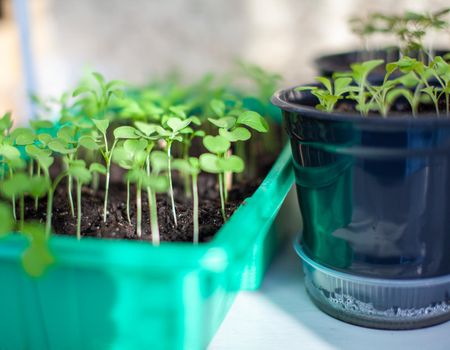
117,225
401,108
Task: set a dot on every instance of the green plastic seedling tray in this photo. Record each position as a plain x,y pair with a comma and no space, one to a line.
111,294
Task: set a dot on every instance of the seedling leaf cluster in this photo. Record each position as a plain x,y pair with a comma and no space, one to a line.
154,134
415,82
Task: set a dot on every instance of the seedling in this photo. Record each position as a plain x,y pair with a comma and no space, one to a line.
44,160
66,145
441,72
77,169
216,162
173,132
97,99
157,184
331,93
132,155
191,167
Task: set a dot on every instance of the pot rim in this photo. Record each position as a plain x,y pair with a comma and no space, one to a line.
430,120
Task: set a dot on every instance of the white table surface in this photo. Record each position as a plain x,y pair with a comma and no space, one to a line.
281,317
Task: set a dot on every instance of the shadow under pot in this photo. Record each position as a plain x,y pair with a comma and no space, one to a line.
374,194
327,65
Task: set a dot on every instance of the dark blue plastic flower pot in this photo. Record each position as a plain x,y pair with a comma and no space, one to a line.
375,198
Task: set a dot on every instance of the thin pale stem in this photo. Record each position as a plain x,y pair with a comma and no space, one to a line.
51,191
105,203
128,202
69,193
138,210
222,201
78,210
108,175
169,169
195,210
154,218
187,178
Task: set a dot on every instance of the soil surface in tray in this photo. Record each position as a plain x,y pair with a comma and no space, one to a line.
117,226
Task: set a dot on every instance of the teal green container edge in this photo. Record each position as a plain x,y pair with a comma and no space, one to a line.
103,294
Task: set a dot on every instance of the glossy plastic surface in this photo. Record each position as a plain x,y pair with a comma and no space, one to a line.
374,192
104,294
375,302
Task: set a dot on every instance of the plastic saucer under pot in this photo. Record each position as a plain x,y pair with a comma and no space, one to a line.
374,302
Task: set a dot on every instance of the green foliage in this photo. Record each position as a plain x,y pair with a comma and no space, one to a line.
331,93
416,82
409,28
148,132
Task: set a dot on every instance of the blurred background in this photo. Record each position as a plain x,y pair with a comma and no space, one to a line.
137,40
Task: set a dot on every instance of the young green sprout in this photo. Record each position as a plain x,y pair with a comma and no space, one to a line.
331,93
218,163
132,155
157,183
98,99
77,169
415,81
360,74
191,167
173,132
66,145
441,71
